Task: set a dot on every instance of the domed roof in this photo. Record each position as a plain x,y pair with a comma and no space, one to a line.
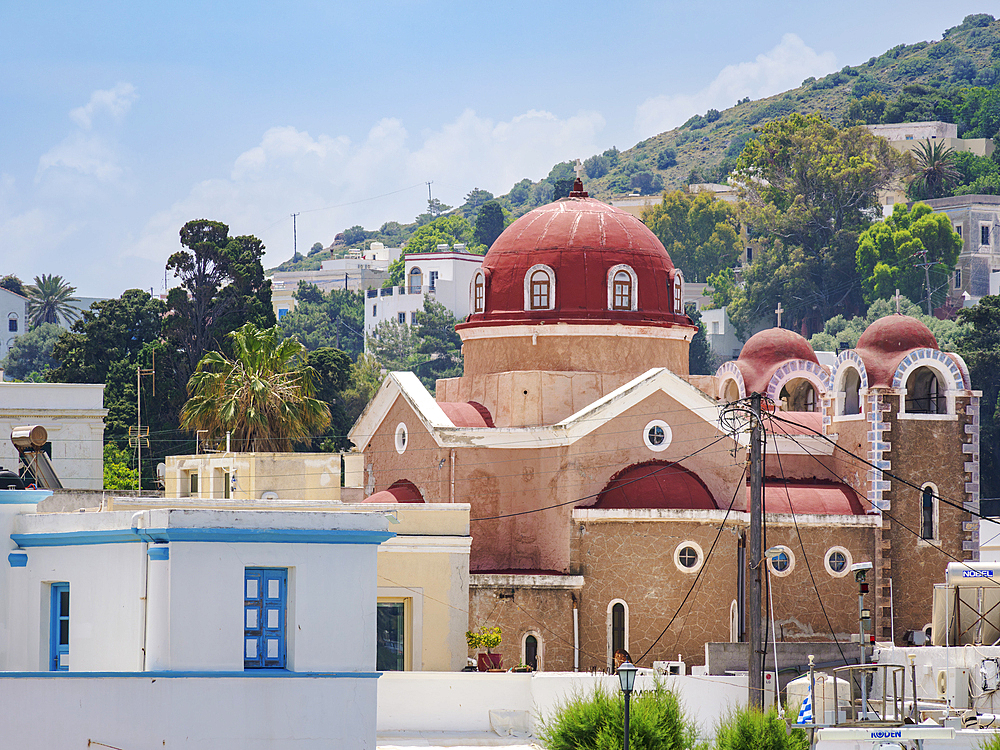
580,239
887,341
766,351
656,484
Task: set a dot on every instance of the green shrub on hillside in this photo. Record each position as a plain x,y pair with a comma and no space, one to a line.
747,729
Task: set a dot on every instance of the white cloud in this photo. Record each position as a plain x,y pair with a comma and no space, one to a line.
781,68
116,102
290,170
85,154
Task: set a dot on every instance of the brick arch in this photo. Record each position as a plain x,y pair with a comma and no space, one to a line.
798,368
925,357
853,359
729,371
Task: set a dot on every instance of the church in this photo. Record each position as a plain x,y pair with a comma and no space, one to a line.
609,496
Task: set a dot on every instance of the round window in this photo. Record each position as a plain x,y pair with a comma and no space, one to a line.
657,435
837,561
782,562
401,438
688,557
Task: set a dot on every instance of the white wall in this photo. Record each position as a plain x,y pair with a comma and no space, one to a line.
462,701
206,713
17,305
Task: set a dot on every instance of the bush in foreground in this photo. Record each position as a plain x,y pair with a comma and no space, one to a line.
748,729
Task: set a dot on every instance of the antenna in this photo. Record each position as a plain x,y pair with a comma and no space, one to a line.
295,237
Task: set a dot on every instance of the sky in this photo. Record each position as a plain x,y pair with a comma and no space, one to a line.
122,121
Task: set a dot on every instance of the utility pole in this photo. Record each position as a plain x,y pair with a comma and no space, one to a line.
295,237
755,676
429,199
927,278
141,435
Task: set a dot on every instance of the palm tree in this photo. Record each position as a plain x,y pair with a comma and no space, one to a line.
264,394
935,170
49,299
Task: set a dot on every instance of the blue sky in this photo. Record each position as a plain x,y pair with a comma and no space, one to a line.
121,121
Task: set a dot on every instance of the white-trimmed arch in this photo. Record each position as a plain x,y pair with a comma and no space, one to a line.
677,291
727,374
847,362
548,270
539,645
611,606
798,369
633,296
949,375
477,292
963,368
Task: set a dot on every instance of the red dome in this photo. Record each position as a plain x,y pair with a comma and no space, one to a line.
403,491
766,351
887,341
581,240
656,485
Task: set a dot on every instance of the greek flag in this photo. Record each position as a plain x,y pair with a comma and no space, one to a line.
805,712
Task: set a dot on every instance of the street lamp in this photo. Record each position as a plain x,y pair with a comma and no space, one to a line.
626,676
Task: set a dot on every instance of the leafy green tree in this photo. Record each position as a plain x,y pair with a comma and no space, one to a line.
646,182
475,200
448,230
354,236
980,348
397,269
520,192
49,299
222,287
866,110
31,352
335,319
809,190
698,231
316,248
489,224
748,729
366,377
12,283
435,207
890,254
666,158
262,391
394,346
333,373
701,358
935,171
440,344
118,471
843,330
597,166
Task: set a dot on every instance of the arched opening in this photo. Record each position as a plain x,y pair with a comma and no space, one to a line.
924,394
928,512
12,322
798,395
678,292
850,392
416,280
540,290
731,391
530,651
622,297
618,628
478,293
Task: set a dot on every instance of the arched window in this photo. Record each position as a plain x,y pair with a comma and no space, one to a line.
850,392
12,322
731,390
928,512
540,289
479,293
678,292
617,629
622,288
798,395
531,650
924,394
416,280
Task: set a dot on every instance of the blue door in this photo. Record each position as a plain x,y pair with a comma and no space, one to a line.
265,594
59,628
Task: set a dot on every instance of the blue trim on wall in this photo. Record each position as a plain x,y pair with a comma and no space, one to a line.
224,535
159,552
17,560
23,497
264,674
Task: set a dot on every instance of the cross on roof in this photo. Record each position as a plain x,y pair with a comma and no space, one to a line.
779,311
578,169
896,297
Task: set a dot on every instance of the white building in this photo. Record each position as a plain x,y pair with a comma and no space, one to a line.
444,276
73,415
201,628
14,314
360,269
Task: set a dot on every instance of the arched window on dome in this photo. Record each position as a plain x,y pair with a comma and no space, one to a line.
849,396
478,292
540,288
622,288
798,395
416,280
678,292
924,393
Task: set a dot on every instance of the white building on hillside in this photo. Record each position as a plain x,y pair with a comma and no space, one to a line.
444,276
13,318
72,414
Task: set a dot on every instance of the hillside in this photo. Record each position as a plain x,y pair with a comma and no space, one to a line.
914,78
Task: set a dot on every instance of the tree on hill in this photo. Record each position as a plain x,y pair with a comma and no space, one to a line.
698,231
222,287
890,254
12,283
475,200
31,353
489,224
447,230
809,189
335,319
262,391
49,299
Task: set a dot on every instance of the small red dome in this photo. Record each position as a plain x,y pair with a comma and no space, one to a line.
656,484
403,491
580,239
766,351
887,341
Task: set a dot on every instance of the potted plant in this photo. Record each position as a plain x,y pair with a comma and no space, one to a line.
488,638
